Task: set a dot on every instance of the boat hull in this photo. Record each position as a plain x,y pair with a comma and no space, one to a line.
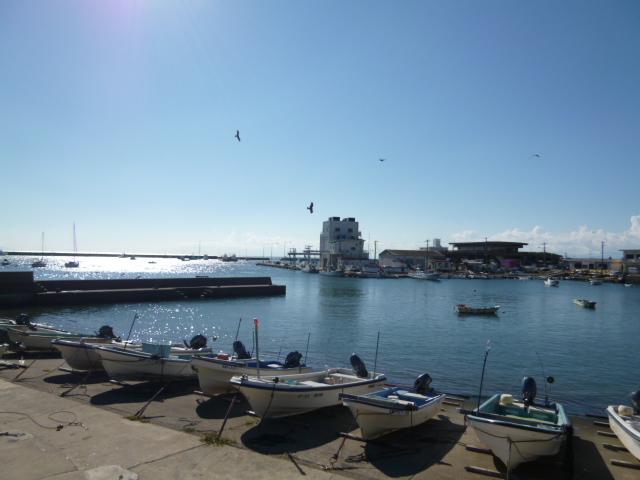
515,445
377,420
629,436
276,400
35,341
131,365
214,375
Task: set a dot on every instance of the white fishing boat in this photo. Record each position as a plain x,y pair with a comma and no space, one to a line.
625,423
520,431
41,339
428,275
82,354
22,322
551,282
215,372
393,408
583,302
627,285
151,362
286,395
332,273
310,268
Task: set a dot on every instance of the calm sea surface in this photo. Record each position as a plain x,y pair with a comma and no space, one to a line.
593,354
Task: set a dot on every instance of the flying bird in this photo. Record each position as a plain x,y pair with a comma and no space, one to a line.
382,159
310,207
537,155
237,135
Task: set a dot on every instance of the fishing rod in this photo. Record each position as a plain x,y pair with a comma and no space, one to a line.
375,362
486,354
306,352
135,317
256,324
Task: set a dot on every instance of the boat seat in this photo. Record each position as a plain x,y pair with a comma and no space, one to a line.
311,383
404,393
343,377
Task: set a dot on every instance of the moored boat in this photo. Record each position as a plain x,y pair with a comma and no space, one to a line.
332,273
595,281
82,354
215,372
393,408
151,362
551,282
583,302
41,339
420,275
286,395
520,431
625,423
463,309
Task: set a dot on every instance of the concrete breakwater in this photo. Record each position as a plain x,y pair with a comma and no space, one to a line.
20,289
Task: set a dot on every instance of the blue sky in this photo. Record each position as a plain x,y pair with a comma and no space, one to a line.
120,116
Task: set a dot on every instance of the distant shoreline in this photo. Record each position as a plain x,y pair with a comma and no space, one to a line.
115,255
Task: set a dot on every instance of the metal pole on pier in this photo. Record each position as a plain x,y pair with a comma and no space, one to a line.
135,317
256,324
306,352
375,362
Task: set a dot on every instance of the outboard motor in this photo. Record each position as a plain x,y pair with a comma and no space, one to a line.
358,366
197,342
240,351
23,319
106,331
422,385
293,360
529,390
635,402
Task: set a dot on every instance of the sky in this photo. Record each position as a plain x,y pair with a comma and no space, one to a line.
507,120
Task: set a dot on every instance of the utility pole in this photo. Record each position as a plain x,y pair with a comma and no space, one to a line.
601,256
426,259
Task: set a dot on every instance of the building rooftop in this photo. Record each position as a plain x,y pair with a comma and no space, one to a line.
413,253
491,243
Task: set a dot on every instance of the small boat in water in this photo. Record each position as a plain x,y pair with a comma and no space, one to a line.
583,302
627,284
394,408
5,262
286,395
625,423
463,309
520,431
594,281
215,372
332,273
310,268
428,275
551,282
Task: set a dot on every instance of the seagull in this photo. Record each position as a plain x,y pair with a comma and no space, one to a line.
537,155
382,159
310,207
237,135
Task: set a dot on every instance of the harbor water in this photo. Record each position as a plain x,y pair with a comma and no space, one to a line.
592,354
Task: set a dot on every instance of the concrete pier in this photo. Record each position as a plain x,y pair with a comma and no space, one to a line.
166,444
20,289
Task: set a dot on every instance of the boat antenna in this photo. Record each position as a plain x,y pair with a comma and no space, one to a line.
548,380
306,352
238,330
256,324
135,317
486,354
375,361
